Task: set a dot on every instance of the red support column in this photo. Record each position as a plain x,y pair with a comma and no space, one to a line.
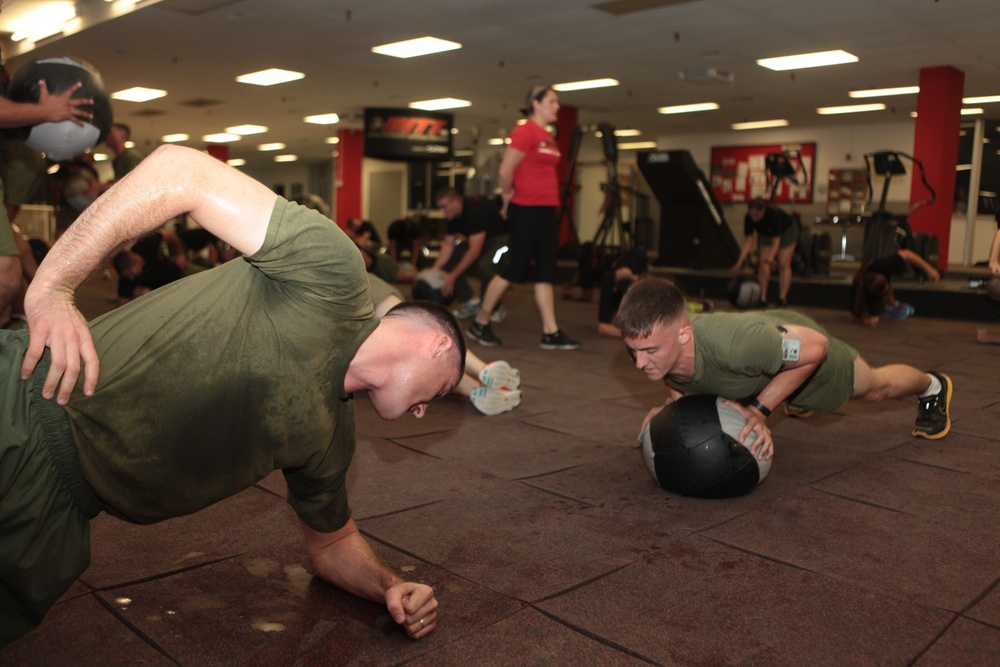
351,157
935,143
565,123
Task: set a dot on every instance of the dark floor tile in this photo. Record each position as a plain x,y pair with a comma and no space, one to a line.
522,542
896,554
987,610
939,494
267,608
957,451
84,633
123,552
386,477
508,449
700,603
965,644
612,424
504,644
622,485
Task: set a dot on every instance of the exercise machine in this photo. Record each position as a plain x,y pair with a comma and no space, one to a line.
693,229
887,233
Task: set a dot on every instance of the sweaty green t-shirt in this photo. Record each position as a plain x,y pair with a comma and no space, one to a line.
738,354
210,383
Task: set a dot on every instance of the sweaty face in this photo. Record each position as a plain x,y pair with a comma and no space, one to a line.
656,354
415,384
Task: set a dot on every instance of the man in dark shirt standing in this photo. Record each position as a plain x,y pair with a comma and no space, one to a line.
480,223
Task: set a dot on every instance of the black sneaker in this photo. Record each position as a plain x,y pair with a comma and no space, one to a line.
933,419
483,333
782,303
558,341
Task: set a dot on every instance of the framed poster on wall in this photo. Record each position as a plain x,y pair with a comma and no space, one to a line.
739,174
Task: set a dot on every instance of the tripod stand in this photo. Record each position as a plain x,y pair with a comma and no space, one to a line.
612,225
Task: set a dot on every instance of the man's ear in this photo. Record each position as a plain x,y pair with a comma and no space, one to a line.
684,334
442,344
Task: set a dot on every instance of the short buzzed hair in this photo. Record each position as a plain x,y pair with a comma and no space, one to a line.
437,317
650,301
447,193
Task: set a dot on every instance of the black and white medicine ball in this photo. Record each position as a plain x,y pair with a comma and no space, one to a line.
690,448
427,287
63,140
744,293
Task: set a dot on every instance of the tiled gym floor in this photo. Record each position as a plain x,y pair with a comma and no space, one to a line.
548,543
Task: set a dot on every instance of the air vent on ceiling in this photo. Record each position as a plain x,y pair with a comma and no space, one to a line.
706,75
200,103
623,7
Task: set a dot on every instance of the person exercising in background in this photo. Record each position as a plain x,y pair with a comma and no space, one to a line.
777,235
757,360
871,289
49,108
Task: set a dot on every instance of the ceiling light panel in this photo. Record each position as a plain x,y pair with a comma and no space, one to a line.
412,48
323,119
760,124
440,104
138,94
807,60
884,92
854,108
244,130
585,85
689,108
270,77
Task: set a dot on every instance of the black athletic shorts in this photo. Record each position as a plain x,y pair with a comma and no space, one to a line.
534,235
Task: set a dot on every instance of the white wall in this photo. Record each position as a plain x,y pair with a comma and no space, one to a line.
371,166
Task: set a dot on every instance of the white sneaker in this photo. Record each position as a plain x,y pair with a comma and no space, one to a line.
492,402
500,375
468,309
499,315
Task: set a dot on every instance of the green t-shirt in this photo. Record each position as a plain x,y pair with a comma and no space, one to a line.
738,354
211,382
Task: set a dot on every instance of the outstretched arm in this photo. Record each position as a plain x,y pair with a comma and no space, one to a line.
344,559
171,181
49,108
744,253
913,259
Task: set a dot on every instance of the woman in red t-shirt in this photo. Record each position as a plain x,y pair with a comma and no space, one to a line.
529,185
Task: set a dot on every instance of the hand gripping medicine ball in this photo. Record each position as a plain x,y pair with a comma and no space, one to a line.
427,287
63,140
690,448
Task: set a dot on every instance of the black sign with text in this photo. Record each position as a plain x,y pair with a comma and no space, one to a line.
407,134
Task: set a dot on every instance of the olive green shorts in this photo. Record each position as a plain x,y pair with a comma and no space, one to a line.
46,507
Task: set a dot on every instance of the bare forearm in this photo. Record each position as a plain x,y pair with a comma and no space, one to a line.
348,562
168,183
20,114
784,384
